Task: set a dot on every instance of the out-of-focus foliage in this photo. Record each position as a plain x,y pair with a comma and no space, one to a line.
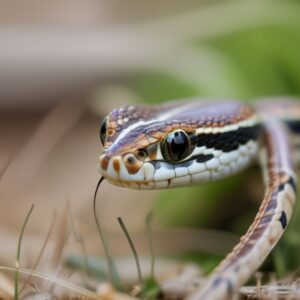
158,86
266,58
243,63
257,62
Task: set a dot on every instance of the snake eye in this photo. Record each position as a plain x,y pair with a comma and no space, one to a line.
176,146
103,129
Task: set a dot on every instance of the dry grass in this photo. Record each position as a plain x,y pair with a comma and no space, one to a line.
51,238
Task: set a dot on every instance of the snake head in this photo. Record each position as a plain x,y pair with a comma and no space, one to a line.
174,144
131,137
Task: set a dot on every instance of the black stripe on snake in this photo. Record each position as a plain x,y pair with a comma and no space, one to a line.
196,141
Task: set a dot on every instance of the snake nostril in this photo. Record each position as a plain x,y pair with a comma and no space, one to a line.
132,164
130,159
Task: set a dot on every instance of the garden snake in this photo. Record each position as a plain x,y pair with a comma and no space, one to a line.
185,142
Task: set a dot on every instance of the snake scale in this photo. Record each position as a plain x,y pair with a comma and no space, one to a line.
186,142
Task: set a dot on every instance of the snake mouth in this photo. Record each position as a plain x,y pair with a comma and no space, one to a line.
149,176
125,168
128,171
137,185
117,171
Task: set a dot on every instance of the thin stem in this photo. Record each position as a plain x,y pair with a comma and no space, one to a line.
149,223
47,238
132,249
112,271
16,296
79,238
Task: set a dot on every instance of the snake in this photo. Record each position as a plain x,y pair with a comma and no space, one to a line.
194,141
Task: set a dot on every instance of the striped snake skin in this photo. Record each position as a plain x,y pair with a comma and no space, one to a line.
188,142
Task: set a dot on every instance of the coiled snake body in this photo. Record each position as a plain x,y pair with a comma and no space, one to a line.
187,142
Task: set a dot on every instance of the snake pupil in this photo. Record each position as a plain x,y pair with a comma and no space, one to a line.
103,129
176,146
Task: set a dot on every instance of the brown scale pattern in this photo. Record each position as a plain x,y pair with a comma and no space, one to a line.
279,167
281,107
264,230
196,115
259,225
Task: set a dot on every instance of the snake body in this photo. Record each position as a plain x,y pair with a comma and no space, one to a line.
187,142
